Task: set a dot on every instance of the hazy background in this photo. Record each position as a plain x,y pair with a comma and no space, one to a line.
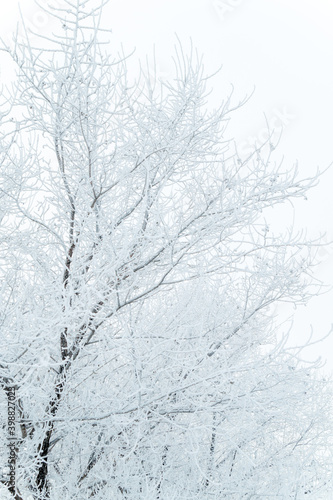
283,49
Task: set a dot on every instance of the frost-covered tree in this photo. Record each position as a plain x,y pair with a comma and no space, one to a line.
138,278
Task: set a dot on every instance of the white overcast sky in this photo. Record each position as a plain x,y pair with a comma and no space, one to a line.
283,49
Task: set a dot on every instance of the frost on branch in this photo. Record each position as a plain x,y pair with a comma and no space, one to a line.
138,275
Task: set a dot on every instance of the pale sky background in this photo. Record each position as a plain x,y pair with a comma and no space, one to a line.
283,48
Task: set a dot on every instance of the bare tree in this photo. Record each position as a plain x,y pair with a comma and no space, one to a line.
138,279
